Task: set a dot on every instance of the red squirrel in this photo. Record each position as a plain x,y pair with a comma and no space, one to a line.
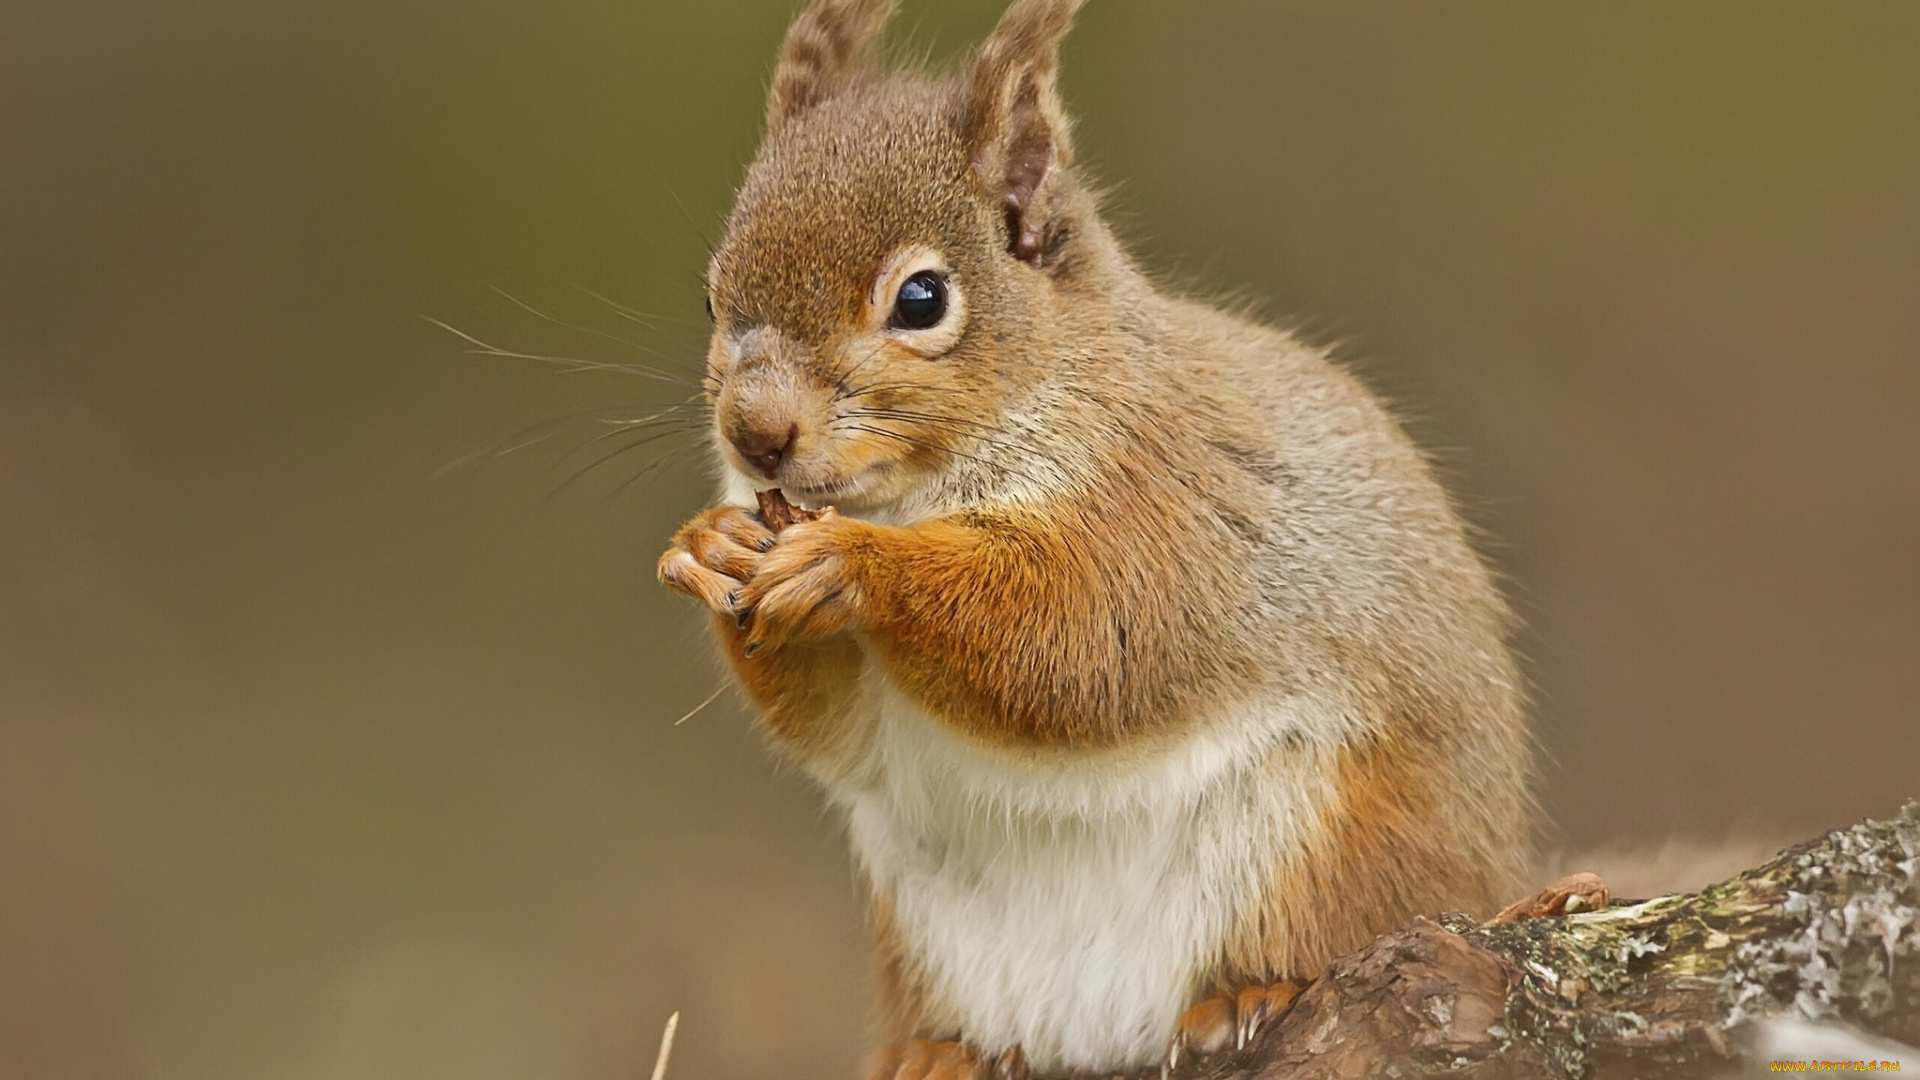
1148,661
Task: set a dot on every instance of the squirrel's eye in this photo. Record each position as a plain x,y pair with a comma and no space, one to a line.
921,303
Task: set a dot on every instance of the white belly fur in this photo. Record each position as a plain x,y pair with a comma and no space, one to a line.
1070,904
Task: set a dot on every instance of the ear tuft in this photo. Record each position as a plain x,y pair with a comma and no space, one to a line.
826,49
1014,122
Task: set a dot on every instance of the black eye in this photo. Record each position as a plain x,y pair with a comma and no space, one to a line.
922,302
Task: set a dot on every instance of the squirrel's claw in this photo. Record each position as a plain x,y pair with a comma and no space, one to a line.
714,556
803,588
1224,1019
1258,1004
1568,896
1202,1029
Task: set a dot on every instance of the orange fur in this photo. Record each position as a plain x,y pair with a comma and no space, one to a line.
797,689
1019,627
927,1059
1395,840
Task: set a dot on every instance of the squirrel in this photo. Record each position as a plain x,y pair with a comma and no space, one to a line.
1148,660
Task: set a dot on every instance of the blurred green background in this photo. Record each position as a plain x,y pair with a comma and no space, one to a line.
318,759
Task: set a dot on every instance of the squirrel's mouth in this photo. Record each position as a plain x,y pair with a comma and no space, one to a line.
831,491
827,491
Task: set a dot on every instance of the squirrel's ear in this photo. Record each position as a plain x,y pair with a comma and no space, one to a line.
1015,125
825,50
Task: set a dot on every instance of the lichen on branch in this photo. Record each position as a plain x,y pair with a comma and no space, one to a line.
1671,987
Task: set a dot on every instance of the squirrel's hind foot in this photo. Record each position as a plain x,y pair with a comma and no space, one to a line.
1570,895
1227,1019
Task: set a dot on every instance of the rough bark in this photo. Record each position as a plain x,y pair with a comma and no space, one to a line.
1670,987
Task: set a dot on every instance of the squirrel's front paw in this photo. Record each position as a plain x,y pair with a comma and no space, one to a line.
1225,1020
714,555
932,1059
805,587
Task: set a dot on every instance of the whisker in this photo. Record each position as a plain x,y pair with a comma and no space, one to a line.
957,428
652,468
504,449
608,415
547,430
697,230
607,457
872,355
930,418
879,387
467,458
675,425
567,362
923,445
635,315
538,314
968,429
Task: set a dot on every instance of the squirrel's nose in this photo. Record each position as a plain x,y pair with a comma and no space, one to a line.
766,448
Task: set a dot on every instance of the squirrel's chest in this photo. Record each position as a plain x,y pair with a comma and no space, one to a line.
1073,911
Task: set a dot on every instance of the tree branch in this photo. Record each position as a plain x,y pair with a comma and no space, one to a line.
1672,987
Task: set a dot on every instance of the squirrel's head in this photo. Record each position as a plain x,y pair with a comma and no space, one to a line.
889,269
